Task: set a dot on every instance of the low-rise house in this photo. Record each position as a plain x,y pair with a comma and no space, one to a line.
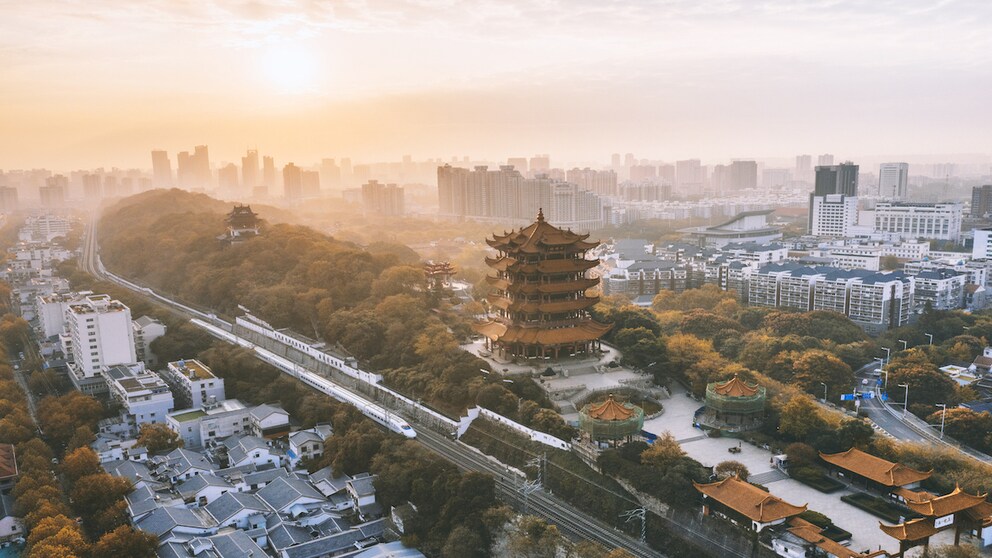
252,450
233,544
241,511
269,421
203,489
290,496
177,524
308,444
181,464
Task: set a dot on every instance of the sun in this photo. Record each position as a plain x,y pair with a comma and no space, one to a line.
290,68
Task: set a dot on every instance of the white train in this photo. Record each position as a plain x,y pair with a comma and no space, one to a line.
375,412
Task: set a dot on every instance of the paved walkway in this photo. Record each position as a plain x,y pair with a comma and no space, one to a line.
677,419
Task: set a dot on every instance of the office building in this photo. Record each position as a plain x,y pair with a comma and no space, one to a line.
161,169
893,181
184,170
142,394
981,200
382,199
98,334
193,384
836,179
832,215
249,171
292,182
933,221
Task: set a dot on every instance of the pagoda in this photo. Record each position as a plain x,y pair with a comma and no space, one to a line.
611,420
242,222
539,294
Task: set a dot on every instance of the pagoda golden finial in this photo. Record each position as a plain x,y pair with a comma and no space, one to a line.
540,215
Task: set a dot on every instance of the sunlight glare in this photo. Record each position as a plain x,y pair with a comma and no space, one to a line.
290,68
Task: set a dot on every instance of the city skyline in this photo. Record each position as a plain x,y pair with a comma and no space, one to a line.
493,79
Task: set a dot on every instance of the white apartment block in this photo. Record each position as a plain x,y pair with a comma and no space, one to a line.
143,394
832,215
943,289
193,383
44,228
51,309
875,301
98,335
220,420
982,248
893,181
934,221
146,330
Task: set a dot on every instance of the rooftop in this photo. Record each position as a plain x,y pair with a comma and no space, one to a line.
749,500
192,369
188,415
874,468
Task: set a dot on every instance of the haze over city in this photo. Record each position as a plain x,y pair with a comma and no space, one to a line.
100,84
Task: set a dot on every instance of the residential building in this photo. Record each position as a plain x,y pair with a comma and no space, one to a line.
223,419
602,183
50,309
904,220
981,200
193,384
941,289
141,393
982,247
382,199
292,181
832,215
8,199
146,330
98,335
893,181
308,444
252,450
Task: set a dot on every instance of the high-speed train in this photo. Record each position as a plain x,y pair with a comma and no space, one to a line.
375,412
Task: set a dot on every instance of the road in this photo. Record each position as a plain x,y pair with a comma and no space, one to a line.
886,420
570,521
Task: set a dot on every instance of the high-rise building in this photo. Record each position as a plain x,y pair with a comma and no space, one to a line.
52,195
981,200
109,186
268,173
310,183
8,199
837,179
690,176
292,182
92,189
893,181
832,215
98,334
347,180
249,171
804,166
743,175
184,170
519,163
775,178
540,164
330,174
666,174
603,183
201,166
825,160
161,169
382,199
227,178
616,162
643,173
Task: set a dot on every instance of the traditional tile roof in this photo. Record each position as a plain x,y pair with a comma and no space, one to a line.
957,500
227,506
911,530
586,331
735,387
749,500
610,410
913,495
813,535
874,468
981,513
538,234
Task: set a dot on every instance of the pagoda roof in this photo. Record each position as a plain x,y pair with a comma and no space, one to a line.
874,468
543,288
537,236
587,330
981,513
911,530
735,387
610,410
749,500
569,265
813,534
913,495
957,500
547,307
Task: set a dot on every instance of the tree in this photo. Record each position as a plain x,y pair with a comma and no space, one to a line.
533,537
965,425
463,541
800,454
801,418
79,463
808,368
737,469
98,499
158,438
663,452
889,263
126,541
952,551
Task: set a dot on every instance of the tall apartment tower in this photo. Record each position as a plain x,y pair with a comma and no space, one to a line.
227,178
825,160
689,175
744,175
184,169
161,169
98,334
249,171
893,181
837,179
292,182
201,166
268,172
804,165
8,199
309,184
981,200
384,199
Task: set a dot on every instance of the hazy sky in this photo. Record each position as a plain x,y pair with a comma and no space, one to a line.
102,82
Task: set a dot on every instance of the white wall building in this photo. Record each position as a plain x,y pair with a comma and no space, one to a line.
832,215
146,330
143,394
100,334
893,181
193,383
935,221
982,249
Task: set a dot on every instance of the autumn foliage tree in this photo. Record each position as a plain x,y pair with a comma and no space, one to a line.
158,438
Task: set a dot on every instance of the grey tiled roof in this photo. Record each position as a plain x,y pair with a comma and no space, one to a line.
282,492
232,503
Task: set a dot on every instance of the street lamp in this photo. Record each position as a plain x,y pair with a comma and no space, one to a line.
943,412
886,386
904,344
888,353
824,391
905,401
930,336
